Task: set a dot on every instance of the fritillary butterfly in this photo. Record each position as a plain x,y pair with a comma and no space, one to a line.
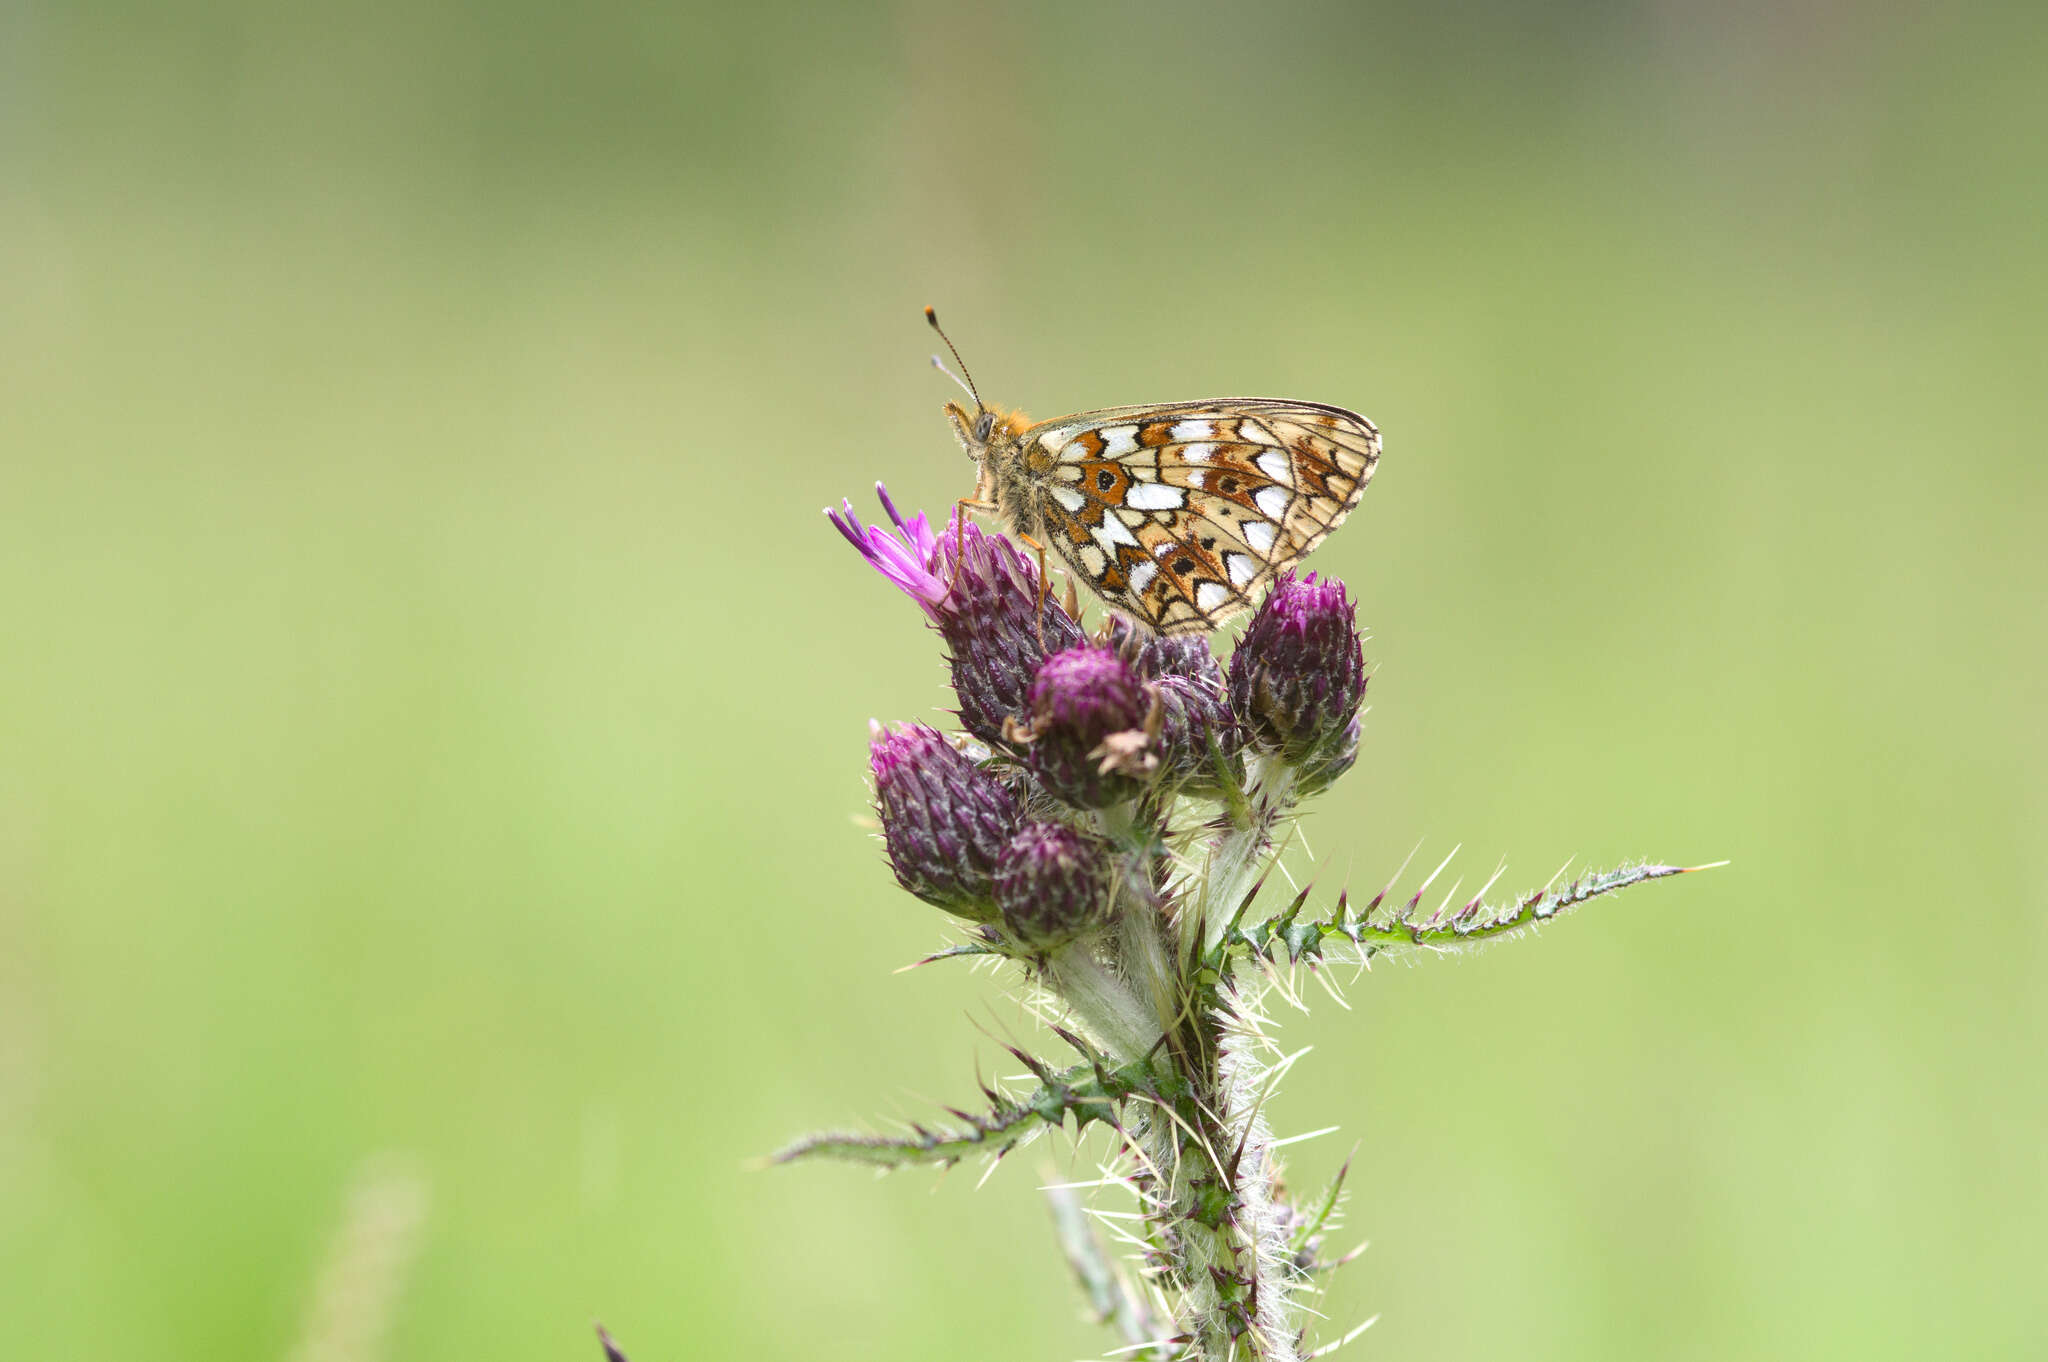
1179,515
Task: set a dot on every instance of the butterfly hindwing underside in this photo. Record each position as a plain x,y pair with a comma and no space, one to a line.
1181,515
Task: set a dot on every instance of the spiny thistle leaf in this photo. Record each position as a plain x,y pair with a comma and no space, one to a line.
1443,929
965,948
1087,1092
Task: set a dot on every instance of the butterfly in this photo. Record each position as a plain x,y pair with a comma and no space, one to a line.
1179,515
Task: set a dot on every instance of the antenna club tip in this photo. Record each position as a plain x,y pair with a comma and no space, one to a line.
931,314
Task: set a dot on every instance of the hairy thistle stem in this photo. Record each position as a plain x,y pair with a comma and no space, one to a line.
1102,1002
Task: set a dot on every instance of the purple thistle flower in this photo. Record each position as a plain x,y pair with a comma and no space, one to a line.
981,592
1051,884
909,558
944,819
1298,677
1090,742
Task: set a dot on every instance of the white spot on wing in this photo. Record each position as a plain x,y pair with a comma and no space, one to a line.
1112,532
1153,496
1118,440
1276,464
1195,453
1142,575
1273,500
1068,497
1193,430
1121,534
1209,595
1241,567
1258,534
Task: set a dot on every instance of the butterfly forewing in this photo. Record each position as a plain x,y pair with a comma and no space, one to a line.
1181,515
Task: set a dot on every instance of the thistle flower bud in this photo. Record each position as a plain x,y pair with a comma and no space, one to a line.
998,631
1196,727
1051,884
982,594
1089,743
1194,701
1160,655
1298,677
944,819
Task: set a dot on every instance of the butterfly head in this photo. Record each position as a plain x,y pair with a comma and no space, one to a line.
971,428
976,430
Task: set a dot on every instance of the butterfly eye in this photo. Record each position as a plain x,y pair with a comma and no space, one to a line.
983,424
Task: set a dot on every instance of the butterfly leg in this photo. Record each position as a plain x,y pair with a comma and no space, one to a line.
1044,587
983,499
973,503
1044,582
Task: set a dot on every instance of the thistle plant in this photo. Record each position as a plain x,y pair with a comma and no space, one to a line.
1104,827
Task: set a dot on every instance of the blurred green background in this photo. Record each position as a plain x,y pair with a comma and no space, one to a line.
432,731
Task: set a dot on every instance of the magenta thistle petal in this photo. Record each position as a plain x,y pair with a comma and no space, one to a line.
906,557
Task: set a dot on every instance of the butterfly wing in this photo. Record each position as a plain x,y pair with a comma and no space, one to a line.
1181,515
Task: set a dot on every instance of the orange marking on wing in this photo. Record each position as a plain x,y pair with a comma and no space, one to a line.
1156,433
1107,480
1128,557
1312,470
1183,564
1234,481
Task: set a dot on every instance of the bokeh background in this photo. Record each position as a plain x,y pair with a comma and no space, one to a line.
432,723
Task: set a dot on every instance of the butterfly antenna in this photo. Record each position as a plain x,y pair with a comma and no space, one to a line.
967,382
940,365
